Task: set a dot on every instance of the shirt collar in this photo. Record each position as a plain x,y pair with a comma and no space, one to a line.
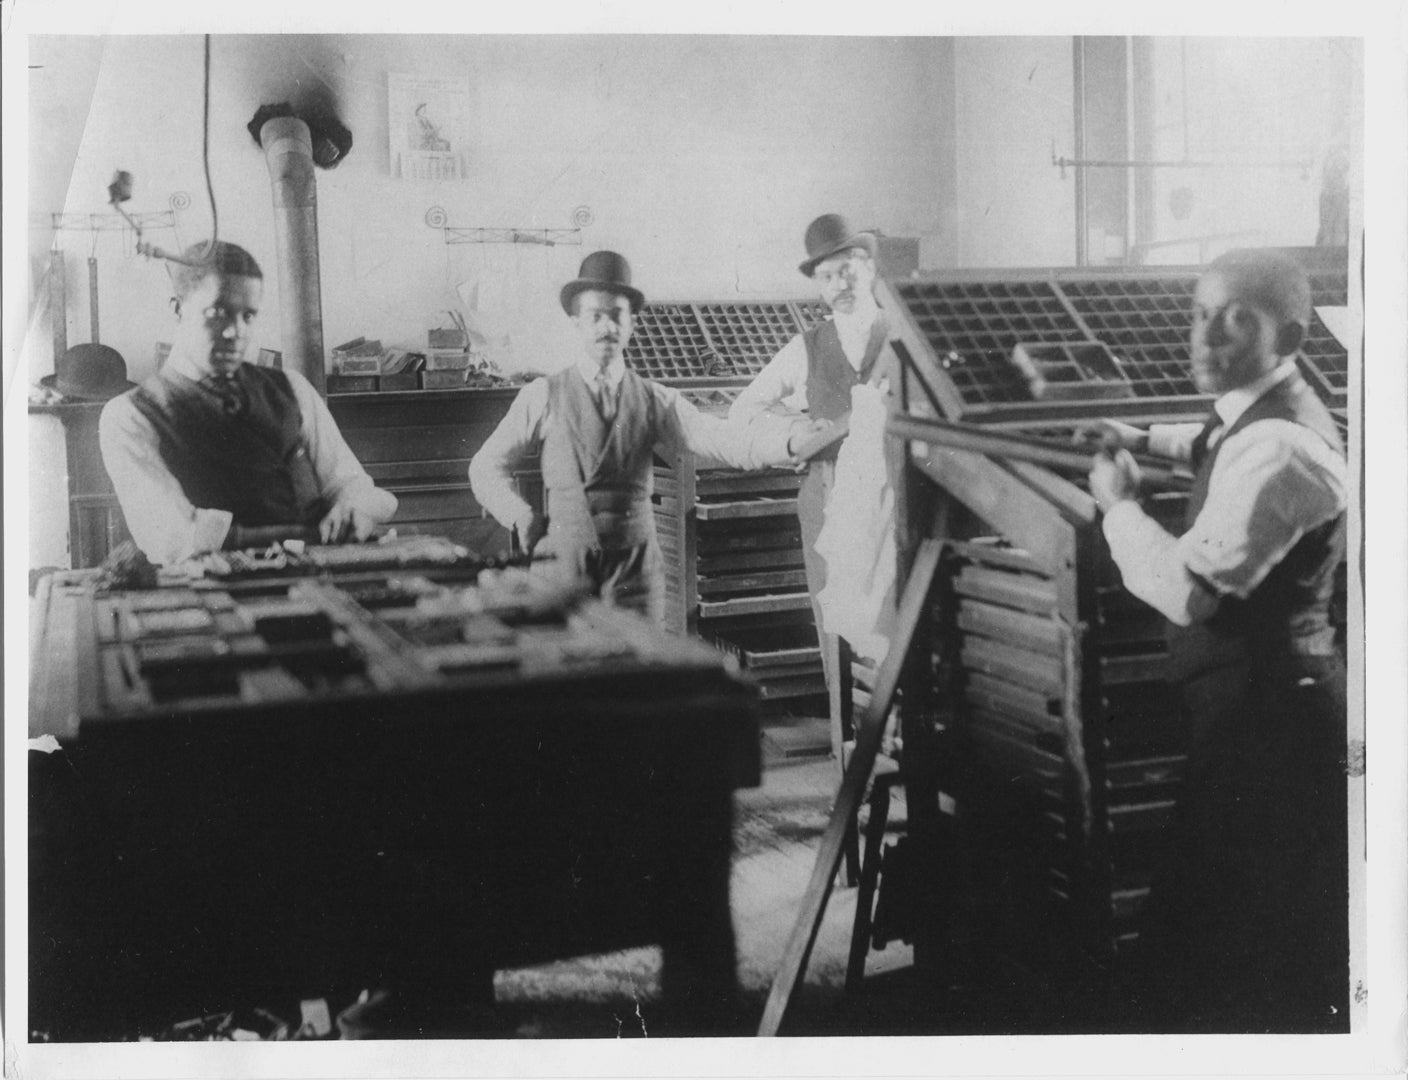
1231,405
615,372
185,367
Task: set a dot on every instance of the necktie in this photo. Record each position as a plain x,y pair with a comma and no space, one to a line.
229,392
605,399
1206,439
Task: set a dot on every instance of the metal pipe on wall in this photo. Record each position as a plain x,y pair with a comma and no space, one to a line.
1078,78
288,150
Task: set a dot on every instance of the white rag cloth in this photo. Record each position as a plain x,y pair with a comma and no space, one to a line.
857,537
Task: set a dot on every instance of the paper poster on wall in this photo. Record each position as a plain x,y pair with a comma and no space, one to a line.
428,126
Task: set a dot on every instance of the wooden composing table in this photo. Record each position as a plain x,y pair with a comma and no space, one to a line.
295,785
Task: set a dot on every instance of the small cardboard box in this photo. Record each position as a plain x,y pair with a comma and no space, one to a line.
441,380
454,338
446,360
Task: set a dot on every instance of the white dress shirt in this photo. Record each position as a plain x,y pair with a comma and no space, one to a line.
682,427
165,524
785,375
1272,482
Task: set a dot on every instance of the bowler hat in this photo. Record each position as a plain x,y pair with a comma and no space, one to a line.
829,234
603,270
89,373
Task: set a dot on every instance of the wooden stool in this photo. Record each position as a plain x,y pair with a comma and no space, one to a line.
886,778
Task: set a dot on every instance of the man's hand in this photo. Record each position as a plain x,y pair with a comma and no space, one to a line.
802,430
1114,477
530,530
345,522
1112,435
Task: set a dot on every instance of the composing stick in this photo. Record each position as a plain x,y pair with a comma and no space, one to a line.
869,730
978,440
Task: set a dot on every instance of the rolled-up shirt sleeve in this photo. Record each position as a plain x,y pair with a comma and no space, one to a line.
782,377
165,524
341,477
1272,483
1173,441
751,443
517,438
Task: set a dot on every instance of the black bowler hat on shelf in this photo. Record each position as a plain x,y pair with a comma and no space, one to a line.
603,270
89,373
830,234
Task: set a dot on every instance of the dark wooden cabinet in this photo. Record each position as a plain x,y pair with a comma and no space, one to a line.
95,521
418,443
735,575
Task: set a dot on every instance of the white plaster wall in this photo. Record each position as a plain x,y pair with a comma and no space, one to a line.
1014,97
702,159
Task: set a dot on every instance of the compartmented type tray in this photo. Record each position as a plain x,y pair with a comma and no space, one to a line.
967,326
259,642
668,343
714,339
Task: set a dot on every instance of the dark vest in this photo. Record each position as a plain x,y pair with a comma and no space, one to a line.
254,465
830,376
1288,614
597,479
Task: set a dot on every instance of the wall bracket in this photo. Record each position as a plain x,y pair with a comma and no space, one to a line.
436,218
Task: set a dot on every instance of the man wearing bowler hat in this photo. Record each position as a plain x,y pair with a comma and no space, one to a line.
597,425
821,366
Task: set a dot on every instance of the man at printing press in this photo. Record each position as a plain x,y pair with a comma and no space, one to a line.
1245,928
598,425
211,447
822,365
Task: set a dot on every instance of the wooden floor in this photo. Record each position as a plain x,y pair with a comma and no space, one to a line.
777,828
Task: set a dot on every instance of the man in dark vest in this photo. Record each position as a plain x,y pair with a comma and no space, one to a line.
597,426
211,447
1246,926
817,369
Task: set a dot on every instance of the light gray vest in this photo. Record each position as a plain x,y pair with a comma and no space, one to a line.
598,478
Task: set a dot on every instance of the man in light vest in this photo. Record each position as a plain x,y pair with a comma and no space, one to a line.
597,426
